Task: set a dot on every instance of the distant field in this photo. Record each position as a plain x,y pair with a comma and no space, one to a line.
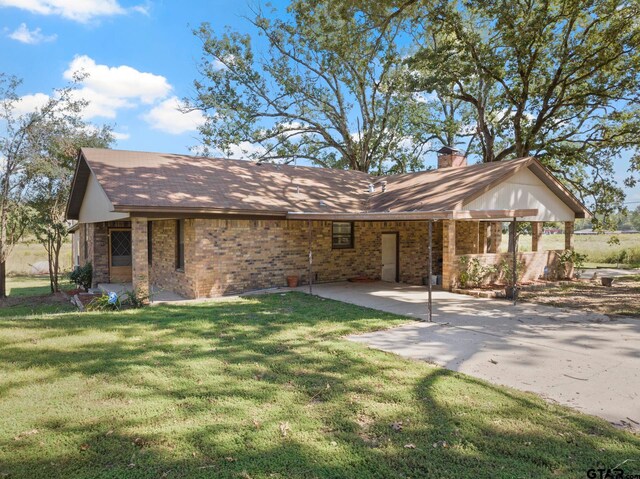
594,246
26,254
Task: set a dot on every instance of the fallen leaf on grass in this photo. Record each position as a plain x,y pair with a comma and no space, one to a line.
22,435
84,447
284,428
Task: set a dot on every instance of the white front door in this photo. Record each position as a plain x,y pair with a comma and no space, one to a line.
389,257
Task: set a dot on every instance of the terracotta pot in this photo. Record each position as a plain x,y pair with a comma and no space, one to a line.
292,281
606,281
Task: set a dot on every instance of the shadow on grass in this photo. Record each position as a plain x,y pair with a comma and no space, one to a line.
264,388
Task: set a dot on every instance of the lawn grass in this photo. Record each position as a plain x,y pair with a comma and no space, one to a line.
24,286
265,387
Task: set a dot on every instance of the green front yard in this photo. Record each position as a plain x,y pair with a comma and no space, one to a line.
265,387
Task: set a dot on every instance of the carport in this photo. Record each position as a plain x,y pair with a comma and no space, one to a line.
446,220
576,358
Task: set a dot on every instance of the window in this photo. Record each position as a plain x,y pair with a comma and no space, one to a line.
342,235
120,248
150,242
180,244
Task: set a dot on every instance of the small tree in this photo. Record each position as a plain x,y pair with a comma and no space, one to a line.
24,140
50,180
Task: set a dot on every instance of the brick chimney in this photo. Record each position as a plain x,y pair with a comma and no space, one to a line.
450,158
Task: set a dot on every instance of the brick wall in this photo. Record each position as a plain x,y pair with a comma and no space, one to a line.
232,256
467,237
162,272
534,263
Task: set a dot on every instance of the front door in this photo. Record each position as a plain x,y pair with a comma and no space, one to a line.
120,256
390,257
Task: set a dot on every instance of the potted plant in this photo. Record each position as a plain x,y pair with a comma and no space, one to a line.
293,280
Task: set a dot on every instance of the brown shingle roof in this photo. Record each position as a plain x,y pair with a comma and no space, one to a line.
158,180
444,189
142,181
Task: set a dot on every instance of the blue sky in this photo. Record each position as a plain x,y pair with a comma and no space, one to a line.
141,58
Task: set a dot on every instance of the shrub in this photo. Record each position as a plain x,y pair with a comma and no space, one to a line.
571,257
82,276
106,302
135,299
506,270
473,273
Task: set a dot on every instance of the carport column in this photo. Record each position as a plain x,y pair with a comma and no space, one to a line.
140,253
448,253
568,235
536,235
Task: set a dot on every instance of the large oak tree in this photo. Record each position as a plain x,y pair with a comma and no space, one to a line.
311,85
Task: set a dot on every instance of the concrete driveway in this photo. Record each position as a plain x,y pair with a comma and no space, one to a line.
579,359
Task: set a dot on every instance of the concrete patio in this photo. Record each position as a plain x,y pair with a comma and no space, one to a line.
580,359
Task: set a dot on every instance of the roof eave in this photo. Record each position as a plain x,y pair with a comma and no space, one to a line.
414,215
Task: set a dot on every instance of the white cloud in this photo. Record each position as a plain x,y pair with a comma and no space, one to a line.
77,10
30,103
109,89
121,136
167,117
30,37
119,82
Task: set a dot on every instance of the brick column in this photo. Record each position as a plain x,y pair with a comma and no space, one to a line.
140,257
536,235
496,237
448,254
568,235
483,234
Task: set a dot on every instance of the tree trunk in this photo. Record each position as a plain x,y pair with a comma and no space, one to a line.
50,259
56,265
3,280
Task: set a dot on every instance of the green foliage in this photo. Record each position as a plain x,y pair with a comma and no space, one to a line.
630,256
104,303
318,87
506,270
570,258
135,299
473,273
614,240
82,276
555,79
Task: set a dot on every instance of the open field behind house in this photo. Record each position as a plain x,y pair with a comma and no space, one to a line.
265,387
25,254
594,246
